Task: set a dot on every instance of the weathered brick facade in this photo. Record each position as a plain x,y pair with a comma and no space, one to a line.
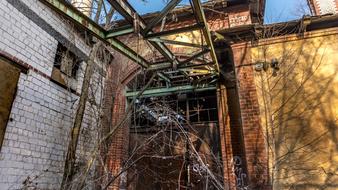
36,140
254,142
119,74
242,141
37,134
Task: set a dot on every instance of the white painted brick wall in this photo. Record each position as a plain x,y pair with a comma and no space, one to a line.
36,140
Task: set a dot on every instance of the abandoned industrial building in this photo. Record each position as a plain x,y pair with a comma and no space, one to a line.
168,94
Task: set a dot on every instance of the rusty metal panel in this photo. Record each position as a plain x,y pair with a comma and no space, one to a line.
9,76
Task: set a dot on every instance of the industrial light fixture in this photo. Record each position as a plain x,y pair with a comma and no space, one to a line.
261,65
264,66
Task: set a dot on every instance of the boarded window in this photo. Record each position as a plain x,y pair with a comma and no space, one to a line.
66,65
9,76
66,61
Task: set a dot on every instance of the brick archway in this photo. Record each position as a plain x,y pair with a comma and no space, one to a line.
115,151
242,141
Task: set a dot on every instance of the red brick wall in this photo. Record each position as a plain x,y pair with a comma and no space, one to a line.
217,20
255,150
114,107
118,149
241,137
224,129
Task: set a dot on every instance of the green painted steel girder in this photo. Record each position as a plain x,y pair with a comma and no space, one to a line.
159,66
72,13
177,43
196,65
195,56
124,8
128,12
198,10
165,78
119,32
169,91
82,20
166,65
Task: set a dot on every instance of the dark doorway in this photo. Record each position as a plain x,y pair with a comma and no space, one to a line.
167,134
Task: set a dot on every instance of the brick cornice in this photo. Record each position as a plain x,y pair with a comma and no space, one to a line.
295,37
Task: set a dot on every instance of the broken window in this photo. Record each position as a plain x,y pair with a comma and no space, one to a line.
193,108
66,61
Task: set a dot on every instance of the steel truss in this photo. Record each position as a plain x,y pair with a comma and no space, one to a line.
188,69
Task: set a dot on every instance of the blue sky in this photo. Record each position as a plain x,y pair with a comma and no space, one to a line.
275,10
284,10
146,6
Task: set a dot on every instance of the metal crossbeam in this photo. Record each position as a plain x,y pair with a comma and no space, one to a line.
165,78
159,66
175,31
196,65
198,10
75,15
169,91
177,43
83,21
171,5
166,65
127,11
119,31
137,23
195,56
125,50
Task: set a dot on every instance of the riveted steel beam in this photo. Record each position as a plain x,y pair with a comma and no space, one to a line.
170,90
